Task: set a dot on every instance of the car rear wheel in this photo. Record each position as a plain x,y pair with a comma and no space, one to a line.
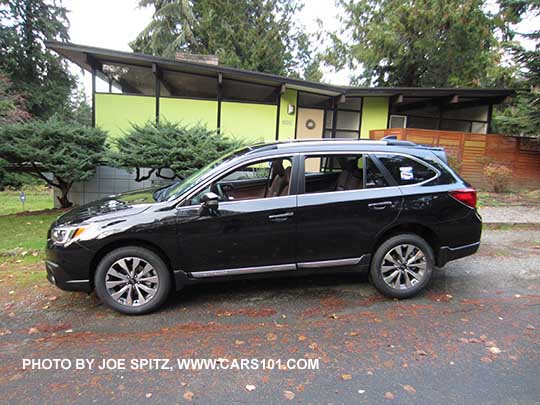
402,266
132,280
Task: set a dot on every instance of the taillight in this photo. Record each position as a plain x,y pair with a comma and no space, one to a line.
466,196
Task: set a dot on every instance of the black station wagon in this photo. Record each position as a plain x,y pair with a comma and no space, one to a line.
389,207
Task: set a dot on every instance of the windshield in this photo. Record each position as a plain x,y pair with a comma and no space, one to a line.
177,189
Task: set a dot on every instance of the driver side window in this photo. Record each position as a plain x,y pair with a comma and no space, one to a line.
264,179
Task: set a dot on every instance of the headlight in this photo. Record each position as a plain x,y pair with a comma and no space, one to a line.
64,234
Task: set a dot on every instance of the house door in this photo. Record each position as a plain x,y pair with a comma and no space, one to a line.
310,123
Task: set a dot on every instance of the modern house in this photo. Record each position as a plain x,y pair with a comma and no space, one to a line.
130,88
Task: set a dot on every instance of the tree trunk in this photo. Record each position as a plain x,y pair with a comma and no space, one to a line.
64,188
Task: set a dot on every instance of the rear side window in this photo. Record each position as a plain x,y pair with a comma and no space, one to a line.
406,170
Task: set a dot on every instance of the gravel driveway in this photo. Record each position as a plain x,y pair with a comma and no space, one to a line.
472,337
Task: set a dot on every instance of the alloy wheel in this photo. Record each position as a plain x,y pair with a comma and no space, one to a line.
132,281
403,266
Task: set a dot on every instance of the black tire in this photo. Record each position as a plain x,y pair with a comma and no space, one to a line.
161,271
376,272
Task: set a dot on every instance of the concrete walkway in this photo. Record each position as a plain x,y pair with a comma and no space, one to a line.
511,214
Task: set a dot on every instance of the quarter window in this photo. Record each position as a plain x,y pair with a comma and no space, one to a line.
406,170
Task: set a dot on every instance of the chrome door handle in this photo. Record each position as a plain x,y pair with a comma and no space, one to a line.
280,217
379,205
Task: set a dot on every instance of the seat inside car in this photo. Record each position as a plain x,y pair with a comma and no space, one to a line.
281,177
351,178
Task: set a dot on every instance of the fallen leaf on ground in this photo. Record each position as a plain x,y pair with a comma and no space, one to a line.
250,387
53,298
389,395
531,327
289,395
409,388
353,334
301,337
239,342
32,331
494,350
346,376
313,346
188,395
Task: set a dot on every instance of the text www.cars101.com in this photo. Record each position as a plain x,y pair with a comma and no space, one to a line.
170,364
247,364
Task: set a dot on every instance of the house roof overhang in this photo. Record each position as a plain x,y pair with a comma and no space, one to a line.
87,56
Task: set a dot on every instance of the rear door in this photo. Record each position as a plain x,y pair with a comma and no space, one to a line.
342,222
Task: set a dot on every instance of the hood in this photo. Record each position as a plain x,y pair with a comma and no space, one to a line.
114,206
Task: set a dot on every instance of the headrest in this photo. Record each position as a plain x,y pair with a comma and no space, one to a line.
277,167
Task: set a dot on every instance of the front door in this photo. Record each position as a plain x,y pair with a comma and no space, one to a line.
251,231
310,123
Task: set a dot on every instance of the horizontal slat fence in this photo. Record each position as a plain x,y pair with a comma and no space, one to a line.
473,151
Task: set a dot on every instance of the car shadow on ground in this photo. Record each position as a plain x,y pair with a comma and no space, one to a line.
267,289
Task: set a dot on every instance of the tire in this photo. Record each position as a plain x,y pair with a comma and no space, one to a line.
406,263
143,276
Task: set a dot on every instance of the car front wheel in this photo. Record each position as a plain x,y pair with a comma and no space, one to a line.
132,280
402,266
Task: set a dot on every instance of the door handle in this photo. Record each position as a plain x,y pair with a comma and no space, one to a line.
280,217
379,205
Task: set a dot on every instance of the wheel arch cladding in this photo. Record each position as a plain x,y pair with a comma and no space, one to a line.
421,230
105,250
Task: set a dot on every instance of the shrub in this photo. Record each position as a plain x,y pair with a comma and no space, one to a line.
167,145
498,176
68,151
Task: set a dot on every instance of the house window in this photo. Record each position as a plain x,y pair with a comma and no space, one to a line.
178,84
235,90
126,79
397,121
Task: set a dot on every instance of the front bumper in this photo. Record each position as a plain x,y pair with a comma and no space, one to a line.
68,268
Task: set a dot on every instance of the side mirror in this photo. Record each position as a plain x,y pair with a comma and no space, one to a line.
209,200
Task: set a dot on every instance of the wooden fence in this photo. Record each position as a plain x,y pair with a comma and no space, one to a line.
473,151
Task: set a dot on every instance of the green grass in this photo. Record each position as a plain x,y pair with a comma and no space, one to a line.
37,198
23,237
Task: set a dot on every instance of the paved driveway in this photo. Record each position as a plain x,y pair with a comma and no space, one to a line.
473,337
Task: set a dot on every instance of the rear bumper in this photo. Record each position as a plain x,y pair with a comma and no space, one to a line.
447,253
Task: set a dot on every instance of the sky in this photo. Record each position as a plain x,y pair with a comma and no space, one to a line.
113,24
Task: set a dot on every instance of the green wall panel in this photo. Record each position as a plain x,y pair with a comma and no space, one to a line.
116,112
374,114
251,122
188,111
287,122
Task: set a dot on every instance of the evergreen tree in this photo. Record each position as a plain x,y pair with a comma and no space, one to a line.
422,43
256,35
522,116
34,71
